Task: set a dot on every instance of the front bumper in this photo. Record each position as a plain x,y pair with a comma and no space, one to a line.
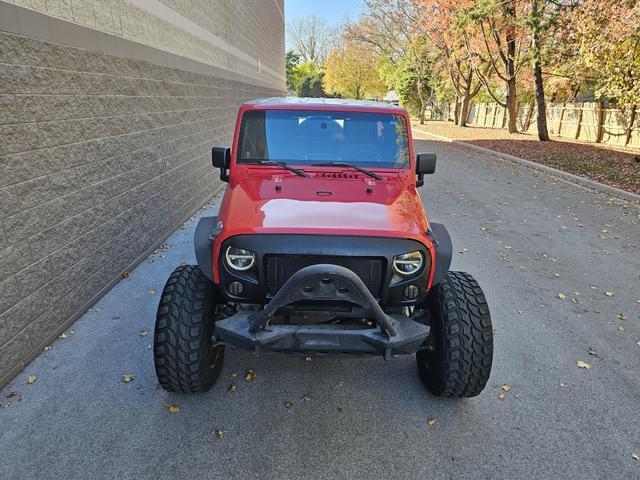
389,335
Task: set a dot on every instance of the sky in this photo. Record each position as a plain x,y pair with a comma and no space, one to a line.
332,11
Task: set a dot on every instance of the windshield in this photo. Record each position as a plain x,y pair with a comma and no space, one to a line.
306,137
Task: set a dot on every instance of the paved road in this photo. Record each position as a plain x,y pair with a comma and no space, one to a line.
80,421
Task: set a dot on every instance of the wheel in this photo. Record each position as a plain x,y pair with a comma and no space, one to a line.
185,357
459,353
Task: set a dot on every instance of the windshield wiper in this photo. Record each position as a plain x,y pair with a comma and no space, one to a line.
348,165
283,165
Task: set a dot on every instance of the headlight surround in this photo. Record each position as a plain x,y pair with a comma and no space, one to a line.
239,258
408,263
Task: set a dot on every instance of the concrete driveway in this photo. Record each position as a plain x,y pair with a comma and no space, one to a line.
526,236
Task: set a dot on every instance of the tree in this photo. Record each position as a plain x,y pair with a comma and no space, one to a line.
401,77
450,37
393,29
351,71
292,60
506,46
297,74
312,38
311,86
605,41
536,29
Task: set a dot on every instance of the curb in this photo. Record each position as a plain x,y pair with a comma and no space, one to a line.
585,182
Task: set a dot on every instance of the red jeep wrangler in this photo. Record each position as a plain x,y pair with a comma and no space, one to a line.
322,247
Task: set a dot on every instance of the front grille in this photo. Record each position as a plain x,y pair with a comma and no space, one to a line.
278,269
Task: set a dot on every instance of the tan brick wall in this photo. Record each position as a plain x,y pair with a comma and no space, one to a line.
242,36
102,155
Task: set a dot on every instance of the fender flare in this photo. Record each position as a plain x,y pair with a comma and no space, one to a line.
444,251
203,245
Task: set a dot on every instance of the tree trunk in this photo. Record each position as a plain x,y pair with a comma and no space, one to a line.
541,118
464,111
512,98
632,120
527,120
512,106
579,123
466,100
456,112
423,103
600,117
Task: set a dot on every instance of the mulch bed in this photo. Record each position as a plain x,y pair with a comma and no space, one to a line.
602,163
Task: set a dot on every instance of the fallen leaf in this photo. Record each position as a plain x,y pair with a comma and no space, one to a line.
10,394
339,384
564,385
116,317
501,396
183,264
5,405
593,352
234,375
173,408
636,456
463,251
582,364
232,388
288,404
62,336
621,329
218,433
143,333
307,359
622,316
250,375
638,343
557,275
31,379
125,274
518,396
152,291
494,332
610,294
128,377
505,388
593,286
431,421
562,296
306,398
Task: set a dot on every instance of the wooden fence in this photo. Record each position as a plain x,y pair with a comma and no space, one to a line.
581,121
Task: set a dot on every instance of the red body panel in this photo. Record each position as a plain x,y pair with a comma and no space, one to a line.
318,205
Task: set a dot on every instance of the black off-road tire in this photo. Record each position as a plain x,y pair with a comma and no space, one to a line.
185,357
458,360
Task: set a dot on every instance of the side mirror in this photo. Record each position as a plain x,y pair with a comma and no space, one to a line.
425,165
221,158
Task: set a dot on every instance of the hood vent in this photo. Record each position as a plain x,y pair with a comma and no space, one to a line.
338,175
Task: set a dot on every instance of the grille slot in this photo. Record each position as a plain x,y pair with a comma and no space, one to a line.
278,269
339,175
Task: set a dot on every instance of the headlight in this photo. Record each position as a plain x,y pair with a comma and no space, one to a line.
408,263
239,259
